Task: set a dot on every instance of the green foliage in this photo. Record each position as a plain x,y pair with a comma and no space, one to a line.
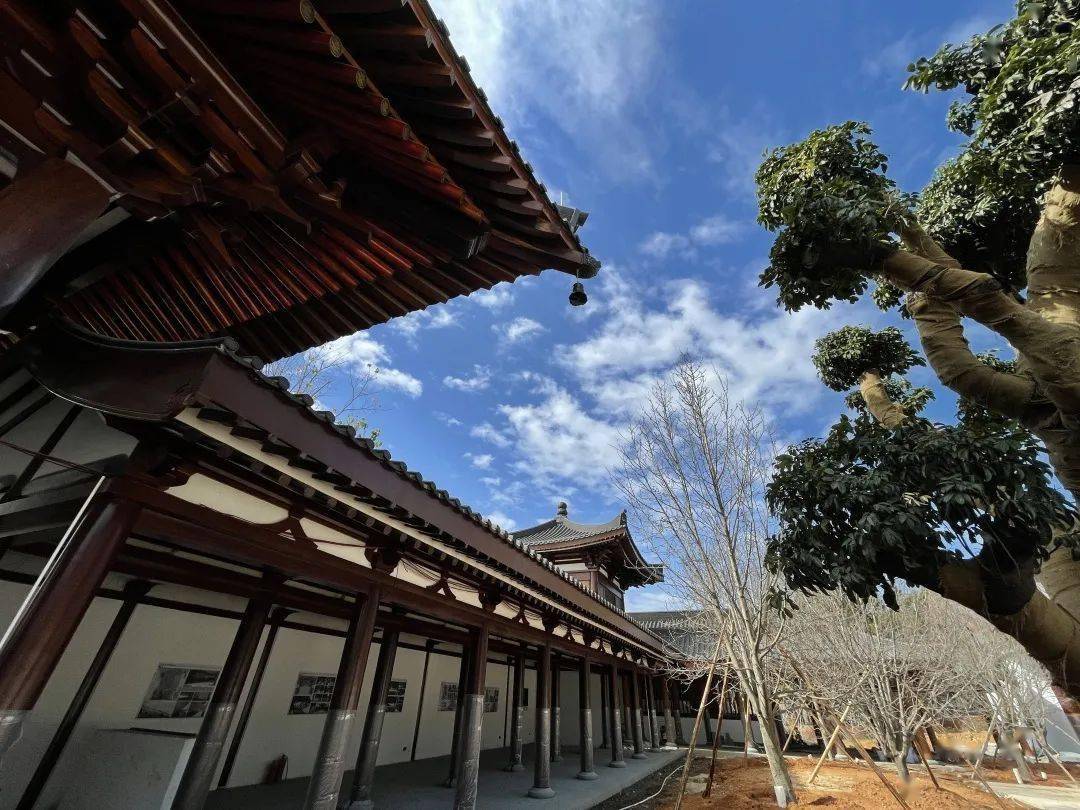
867,506
833,207
981,220
843,356
887,295
1023,85
911,400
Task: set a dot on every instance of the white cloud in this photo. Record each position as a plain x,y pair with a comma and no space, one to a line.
764,354
557,439
489,433
439,316
584,67
366,353
447,419
519,329
497,297
481,461
715,230
477,381
503,520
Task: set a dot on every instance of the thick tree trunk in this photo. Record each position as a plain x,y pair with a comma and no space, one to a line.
1047,631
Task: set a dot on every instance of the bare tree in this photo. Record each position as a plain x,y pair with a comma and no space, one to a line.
334,382
693,470
893,671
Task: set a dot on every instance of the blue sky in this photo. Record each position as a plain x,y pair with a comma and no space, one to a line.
651,116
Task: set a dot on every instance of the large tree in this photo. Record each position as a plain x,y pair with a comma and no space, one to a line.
994,238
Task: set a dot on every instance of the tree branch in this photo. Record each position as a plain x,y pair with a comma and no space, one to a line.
878,402
1051,350
919,242
951,358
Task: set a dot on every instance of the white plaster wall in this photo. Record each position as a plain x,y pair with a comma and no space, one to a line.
570,722
154,635
162,635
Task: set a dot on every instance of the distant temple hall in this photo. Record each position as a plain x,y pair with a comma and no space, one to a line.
212,595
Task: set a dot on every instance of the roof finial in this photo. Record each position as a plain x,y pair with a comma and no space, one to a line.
562,509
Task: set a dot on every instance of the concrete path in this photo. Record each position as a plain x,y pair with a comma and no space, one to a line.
416,784
1043,797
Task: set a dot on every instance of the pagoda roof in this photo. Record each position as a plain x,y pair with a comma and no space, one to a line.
562,534
281,172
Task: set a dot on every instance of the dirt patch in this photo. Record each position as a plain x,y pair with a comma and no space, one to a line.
746,785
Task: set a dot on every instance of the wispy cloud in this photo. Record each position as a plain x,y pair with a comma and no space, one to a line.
891,59
497,297
367,354
585,67
519,329
480,460
439,316
718,229
477,381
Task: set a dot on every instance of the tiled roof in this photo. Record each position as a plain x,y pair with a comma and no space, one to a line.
231,349
660,619
562,528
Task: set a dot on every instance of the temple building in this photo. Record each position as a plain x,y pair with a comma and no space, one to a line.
212,594
599,556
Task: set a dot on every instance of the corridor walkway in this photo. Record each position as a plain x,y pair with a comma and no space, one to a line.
417,784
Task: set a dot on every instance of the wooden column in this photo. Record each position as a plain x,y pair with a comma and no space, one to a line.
615,709
669,722
517,716
276,618
541,788
199,772
324,787
680,737
635,717
588,768
368,756
556,709
133,592
654,725
56,603
473,713
459,718
604,703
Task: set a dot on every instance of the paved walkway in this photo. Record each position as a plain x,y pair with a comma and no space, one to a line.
416,784
1043,797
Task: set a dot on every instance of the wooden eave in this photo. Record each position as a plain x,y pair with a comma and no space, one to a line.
275,192
635,565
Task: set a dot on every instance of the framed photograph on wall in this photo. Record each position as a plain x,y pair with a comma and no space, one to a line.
395,696
178,691
312,693
491,698
447,696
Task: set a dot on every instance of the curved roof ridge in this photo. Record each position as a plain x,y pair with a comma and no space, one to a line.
561,528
